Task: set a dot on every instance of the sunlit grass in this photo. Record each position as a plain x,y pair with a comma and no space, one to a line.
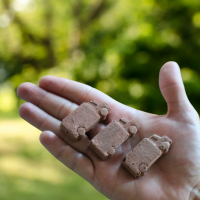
28,171
7,98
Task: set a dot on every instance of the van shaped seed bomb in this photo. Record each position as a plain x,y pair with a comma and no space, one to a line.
81,120
112,136
139,159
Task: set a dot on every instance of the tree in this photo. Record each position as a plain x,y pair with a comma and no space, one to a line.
115,46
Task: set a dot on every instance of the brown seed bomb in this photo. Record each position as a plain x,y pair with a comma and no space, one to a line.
139,159
109,139
81,120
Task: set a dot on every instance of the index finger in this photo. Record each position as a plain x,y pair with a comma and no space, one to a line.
74,91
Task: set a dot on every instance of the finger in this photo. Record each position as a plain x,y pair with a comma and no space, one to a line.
74,91
54,105
74,160
172,88
43,121
78,93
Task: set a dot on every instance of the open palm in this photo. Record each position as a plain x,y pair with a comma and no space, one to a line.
175,175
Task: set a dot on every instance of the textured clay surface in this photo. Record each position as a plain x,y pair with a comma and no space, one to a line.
130,126
145,154
81,120
109,139
101,108
162,143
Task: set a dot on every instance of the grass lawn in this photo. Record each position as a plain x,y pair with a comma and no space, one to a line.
28,171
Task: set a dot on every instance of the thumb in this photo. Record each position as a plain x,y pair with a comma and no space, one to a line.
172,89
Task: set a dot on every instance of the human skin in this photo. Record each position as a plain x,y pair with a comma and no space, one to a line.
175,176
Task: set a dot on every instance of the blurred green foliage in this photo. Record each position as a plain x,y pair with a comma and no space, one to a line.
116,46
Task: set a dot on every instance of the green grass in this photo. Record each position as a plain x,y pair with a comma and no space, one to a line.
28,171
19,188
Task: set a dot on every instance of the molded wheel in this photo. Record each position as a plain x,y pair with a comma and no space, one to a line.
104,112
132,130
81,131
143,168
111,151
164,147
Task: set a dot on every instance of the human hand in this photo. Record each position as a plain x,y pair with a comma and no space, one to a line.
175,175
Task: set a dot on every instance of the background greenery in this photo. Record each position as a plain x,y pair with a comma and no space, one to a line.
117,46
